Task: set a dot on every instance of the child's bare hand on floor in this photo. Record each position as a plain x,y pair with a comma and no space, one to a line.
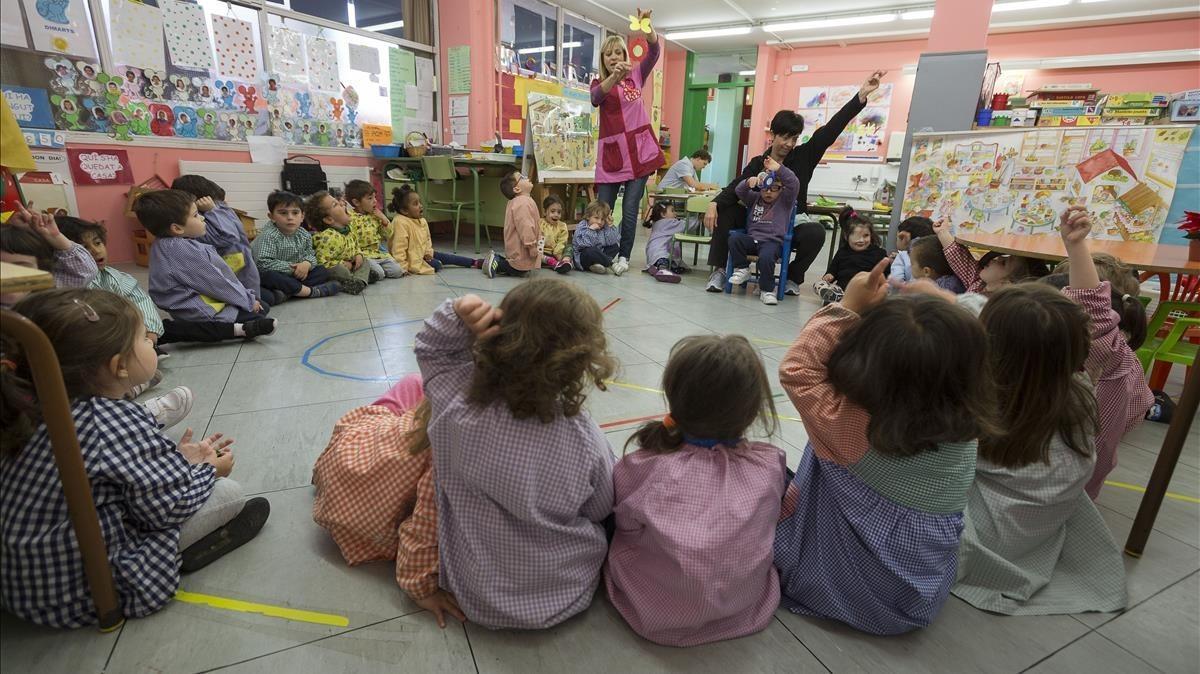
440,603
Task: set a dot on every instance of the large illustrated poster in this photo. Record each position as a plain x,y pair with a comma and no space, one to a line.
564,133
1020,181
864,135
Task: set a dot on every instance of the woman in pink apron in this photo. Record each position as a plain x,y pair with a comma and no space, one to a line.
628,152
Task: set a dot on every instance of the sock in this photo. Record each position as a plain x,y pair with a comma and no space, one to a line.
239,329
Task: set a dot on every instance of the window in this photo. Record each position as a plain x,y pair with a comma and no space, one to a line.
581,49
530,28
405,19
380,16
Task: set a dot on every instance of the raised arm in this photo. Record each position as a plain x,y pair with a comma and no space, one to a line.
812,151
962,263
647,65
443,347
1085,287
791,184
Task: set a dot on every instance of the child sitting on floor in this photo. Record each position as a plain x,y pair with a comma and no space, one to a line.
522,234
334,243
596,241
892,397
375,493
371,228
157,502
283,251
770,207
910,229
224,231
523,473
411,244
696,505
928,261
664,255
992,272
1034,543
557,247
187,278
33,240
860,250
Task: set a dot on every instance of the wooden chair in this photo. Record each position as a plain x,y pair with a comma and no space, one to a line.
441,169
698,206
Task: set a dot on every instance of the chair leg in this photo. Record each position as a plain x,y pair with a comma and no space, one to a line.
1159,374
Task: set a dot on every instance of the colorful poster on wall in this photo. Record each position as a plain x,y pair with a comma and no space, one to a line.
564,133
187,34
30,106
322,64
234,40
59,27
1020,181
863,136
136,31
100,167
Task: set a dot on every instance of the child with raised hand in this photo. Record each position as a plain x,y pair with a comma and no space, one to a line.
522,233
770,207
596,241
927,260
859,251
224,231
696,504
523,473
1034,543
371,228
893,394
334,244
33,240
556,250
283,251
992,272
375,493
411,244
157,502
910,228
187,278
664,255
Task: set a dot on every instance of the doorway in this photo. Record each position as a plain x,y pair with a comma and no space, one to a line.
716,112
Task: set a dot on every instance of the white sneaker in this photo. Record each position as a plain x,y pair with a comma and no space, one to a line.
740,276
769,299
793,289
716,281
171,407
620,266
598,269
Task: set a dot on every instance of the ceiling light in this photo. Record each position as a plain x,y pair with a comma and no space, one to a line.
1088,2
384,26
707,32
1027,4
572,45
746,73
860,20
916,14
536,50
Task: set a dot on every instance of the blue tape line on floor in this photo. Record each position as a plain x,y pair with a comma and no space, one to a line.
306,356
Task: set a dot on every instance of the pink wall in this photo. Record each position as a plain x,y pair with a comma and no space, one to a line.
106,203
852,63
674,77
473,23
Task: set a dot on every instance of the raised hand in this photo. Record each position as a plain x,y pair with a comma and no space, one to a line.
870,85
205,204
770,164
1074,225
867,289
480,317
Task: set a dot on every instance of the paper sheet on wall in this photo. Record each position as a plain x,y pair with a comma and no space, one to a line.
12,32
286,55
460,106
459,128
406,66
458,69
322,64
59,27
136,31
425,105
411,94
234,40
425,74
267,149
364,58
399,113
187,34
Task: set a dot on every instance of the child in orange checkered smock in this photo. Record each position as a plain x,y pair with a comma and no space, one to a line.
375,492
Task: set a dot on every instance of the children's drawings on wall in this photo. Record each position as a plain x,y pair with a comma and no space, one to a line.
58,27
322,64
187,34
234,41
287,54
137,31
564,133
864,135
1019,181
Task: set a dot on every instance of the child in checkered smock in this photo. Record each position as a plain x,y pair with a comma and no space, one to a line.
523,473
891,398
1034,543
156,502
375,492
696,504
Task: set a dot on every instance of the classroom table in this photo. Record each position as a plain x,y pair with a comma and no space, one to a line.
574,181
56,410
1146,257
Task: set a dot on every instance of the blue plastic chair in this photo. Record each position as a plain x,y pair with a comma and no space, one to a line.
785,257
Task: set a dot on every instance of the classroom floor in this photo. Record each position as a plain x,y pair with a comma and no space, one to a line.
280,396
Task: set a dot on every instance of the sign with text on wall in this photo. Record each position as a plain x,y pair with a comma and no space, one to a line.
100,167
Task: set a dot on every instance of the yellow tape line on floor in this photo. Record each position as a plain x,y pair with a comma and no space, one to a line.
1133,487
284,612
776,342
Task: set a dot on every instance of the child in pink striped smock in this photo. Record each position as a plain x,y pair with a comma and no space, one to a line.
696,505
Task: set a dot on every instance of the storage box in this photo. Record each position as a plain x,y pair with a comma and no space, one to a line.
141,247
385,151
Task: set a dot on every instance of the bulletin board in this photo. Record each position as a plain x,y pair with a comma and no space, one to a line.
864,135
563,132
1019,181
514,99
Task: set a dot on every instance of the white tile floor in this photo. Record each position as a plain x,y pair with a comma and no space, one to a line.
280,410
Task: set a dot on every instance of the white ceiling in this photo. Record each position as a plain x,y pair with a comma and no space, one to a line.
674,15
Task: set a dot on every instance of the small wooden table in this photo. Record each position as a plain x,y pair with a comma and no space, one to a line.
1147,257
15,278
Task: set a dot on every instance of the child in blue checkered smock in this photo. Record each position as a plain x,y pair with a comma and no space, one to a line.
153,498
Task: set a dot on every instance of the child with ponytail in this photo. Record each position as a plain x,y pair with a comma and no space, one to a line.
859,251
664,255
411,244
696,505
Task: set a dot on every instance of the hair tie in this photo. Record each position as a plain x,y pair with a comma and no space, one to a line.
852,213
1126,297
668,422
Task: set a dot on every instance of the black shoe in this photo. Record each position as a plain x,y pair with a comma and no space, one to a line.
259,327
278,297
231,536
354,286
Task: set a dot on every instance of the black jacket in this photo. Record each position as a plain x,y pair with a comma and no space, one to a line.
847,262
